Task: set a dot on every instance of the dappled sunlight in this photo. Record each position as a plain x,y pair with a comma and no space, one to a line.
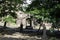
29,20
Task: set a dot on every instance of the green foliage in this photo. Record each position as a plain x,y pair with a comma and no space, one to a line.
35,11
40,14
8,7
9,19
45,9
53,38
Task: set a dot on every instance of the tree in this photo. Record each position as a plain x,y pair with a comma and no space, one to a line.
47,10
8,7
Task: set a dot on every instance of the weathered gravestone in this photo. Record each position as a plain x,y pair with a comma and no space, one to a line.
21,18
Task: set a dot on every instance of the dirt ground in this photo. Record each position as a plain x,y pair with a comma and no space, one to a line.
18,36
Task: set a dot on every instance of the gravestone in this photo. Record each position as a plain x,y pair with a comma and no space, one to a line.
5,24
21,18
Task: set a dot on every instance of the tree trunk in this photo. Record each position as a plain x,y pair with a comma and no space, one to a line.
44,37
5,24
21,27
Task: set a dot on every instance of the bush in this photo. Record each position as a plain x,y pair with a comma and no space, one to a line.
9,19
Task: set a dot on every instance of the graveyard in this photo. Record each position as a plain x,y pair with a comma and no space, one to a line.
29,20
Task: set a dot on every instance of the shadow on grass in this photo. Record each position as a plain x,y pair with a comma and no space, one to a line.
30,32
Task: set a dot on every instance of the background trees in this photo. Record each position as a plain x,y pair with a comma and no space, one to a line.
8,7
47,10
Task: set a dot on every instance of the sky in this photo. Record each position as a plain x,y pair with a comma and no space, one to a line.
27,2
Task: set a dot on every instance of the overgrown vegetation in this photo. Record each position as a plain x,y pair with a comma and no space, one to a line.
45,10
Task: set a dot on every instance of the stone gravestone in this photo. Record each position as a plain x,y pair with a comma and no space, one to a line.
21,19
